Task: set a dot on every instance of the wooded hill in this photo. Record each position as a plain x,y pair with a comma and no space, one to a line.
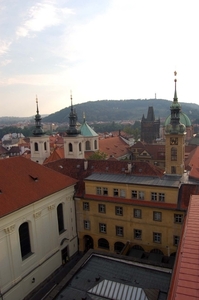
120,110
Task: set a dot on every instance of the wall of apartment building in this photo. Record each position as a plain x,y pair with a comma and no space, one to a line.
155,217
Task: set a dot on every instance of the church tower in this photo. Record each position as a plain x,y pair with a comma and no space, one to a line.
39,142
175,139
74,141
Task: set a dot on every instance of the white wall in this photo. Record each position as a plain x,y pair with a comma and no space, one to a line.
16,274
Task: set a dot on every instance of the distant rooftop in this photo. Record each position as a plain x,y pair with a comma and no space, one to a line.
169,181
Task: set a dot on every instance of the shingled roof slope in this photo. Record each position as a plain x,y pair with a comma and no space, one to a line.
114,147
185,280
76,169
23,182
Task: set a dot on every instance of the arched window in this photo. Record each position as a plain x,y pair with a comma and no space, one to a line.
70,147
36,147
60,218
88,146
80,147
173,154
24,238
118,246
138,247
103,243
95,144
45,146
157,251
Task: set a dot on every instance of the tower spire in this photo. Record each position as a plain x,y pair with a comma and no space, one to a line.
38,131
175,99
72,130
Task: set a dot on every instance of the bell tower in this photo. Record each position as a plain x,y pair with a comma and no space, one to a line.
74,141
175,139
39,142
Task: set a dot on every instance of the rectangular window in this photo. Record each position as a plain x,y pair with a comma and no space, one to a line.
102,227
173,170
178,218
99,190
105,191
115,193
119,211
157,216
141,195
176,239
102,208
137,234
119,230
161,197
157,237
173,154
122,193
134,194
87,225
85,206
153,196
137,213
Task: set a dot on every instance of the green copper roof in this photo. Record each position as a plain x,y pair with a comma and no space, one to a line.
86,130
184,119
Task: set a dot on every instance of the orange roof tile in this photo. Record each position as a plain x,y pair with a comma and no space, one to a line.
75,168
113,146
57,154
23,182
185,280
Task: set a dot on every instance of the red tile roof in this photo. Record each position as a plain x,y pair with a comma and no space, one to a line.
192,163
113,146
23,182
156,151
75,168
57,154
185,281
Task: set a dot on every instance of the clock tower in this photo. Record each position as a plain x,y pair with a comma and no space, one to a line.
175,139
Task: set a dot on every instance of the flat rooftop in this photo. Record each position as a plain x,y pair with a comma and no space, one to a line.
100,276
168,181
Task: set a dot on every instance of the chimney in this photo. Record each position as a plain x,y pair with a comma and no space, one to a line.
129,167
85,165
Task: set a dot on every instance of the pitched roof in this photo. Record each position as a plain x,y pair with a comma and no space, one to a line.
80,169
192,163
86,130
185,280
57,154
113,146
157,151
23,182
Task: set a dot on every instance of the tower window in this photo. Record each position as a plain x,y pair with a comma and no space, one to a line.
45,146
88,146
173,170
95,143
70,147
80,147
173,154
36,147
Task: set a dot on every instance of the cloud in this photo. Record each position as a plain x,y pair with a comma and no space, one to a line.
41,16
5,62
4,47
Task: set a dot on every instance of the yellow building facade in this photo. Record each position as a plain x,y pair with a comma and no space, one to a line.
112,214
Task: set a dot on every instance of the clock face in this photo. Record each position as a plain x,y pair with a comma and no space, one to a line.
174,141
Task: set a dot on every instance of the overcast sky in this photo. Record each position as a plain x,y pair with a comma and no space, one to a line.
99,49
